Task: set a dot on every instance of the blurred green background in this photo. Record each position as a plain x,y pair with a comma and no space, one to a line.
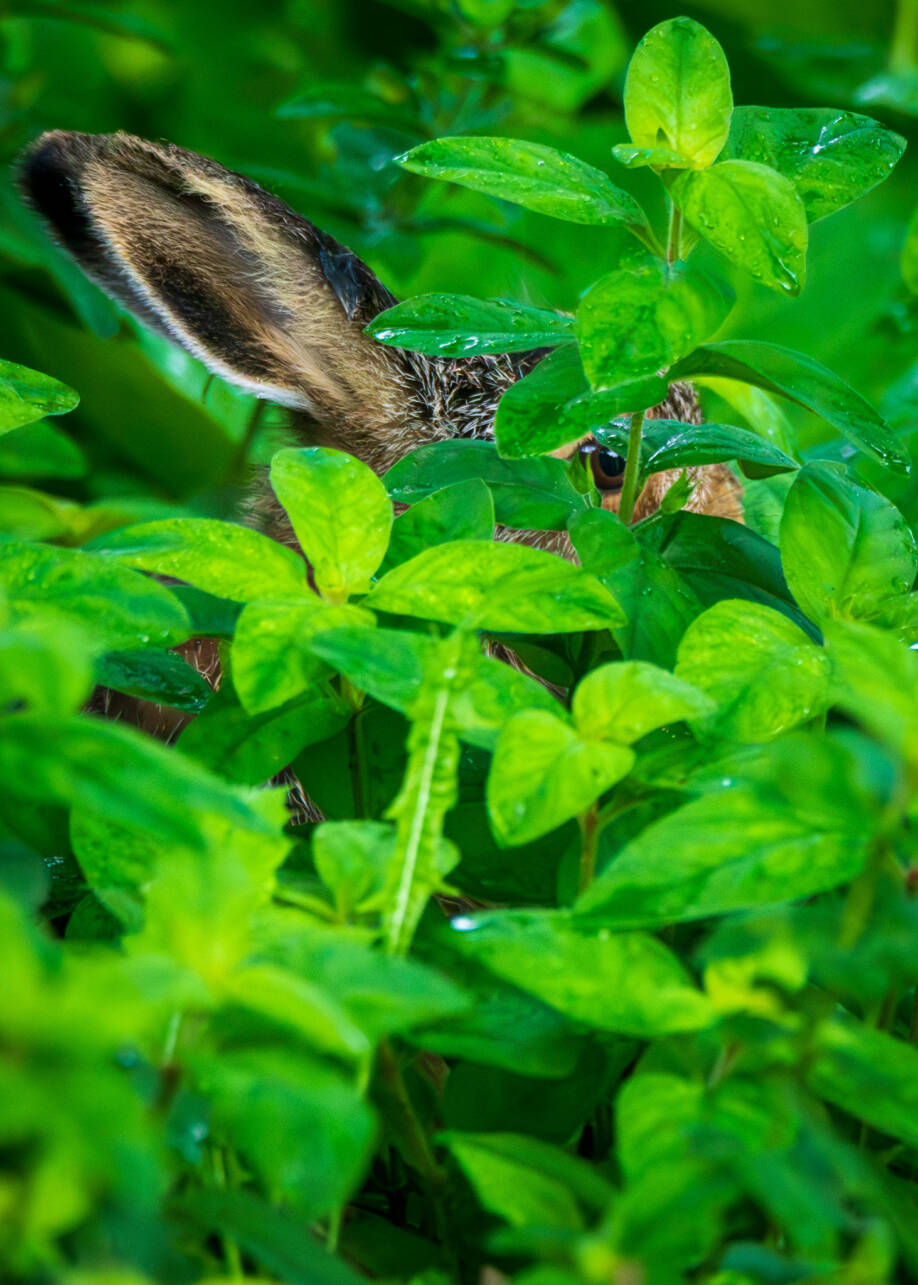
313,98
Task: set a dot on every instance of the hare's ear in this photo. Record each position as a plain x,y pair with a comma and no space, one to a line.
264,298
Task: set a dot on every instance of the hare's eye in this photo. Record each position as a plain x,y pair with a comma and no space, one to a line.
608,469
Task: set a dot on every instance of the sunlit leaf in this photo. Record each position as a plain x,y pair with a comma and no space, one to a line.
677,92
496,586
340,512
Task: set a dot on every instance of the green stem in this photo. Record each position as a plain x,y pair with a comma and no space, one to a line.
415,1144
230,1248
632,469
903,46
674,238
589,835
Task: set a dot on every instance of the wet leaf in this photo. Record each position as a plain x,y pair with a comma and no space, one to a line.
455,325
792,832
543,773
463,511
677,92
160,676
625,982
27,395
668,444
532,175
272,658
108,604
634,322
553,405
496,586
846,551
529,494
752,215
221,558
765,675
831,157
802,380
625,701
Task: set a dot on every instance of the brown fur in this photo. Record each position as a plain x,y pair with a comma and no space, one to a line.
271,303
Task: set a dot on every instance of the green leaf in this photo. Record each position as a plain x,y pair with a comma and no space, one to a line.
160,676
759,409
422,857
867,1073
389,665
249,749
807,383
281,1243
267,1100
765,675
657,603
272,658
340,513
716,558
221,558
530,494
798,829
636,321
831,157
623,702
463,511
874,679
846,551
553,405
752,215
458,325
382,994
40,450
353,859
300,1006
110,605
43,668
116,773
529,174
658,158
669,444
629,983
677,92
543,773
27,395
508,1174
503,587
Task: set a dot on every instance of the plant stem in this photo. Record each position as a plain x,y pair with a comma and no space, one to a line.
589,835
903,45
674,238
230,1248
632,468
415,1144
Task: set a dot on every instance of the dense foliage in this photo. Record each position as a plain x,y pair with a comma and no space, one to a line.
599,970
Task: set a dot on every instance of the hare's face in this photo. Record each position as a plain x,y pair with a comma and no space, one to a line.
270,302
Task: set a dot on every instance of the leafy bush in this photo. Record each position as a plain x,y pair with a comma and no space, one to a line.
598,969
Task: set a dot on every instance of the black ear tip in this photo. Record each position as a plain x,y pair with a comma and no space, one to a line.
49,178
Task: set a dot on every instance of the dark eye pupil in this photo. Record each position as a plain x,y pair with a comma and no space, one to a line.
609,464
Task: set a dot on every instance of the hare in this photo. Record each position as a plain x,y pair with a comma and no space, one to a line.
278,307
